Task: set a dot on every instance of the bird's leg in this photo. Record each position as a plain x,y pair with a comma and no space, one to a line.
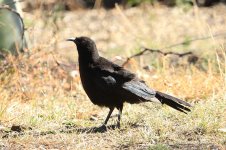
108,116
119,115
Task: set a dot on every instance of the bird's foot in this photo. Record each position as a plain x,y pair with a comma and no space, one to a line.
102,128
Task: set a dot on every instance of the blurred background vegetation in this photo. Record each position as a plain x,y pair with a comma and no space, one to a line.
75,4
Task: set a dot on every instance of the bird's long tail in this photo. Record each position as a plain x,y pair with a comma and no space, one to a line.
136,91
173,102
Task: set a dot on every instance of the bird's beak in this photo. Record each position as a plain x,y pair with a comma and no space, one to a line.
71,39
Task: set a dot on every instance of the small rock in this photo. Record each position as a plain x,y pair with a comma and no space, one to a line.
16,128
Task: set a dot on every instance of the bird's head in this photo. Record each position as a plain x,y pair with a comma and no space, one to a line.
85,46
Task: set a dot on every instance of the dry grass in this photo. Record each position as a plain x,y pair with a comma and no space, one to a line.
53,112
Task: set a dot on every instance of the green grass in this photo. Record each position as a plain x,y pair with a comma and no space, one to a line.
146,126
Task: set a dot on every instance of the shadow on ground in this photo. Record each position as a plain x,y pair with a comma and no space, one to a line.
100,129
18,130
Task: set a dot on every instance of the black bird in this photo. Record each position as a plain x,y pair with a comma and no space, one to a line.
110,85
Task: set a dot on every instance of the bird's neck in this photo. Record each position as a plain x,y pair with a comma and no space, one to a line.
87,58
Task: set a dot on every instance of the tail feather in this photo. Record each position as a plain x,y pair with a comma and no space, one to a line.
173,102
136,92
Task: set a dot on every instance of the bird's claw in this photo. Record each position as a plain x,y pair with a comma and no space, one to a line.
102,128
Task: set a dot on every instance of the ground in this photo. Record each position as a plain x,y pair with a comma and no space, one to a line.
44,107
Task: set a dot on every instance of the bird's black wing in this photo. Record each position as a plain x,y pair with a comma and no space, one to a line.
121,81
109,76
113,78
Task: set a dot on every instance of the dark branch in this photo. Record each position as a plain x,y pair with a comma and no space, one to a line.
156,51
171,46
